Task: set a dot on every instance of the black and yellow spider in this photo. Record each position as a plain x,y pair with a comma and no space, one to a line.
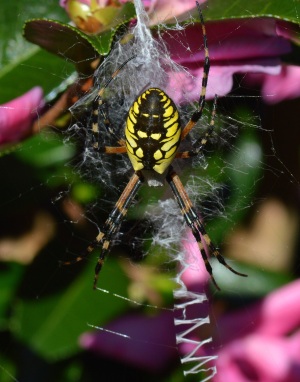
153,134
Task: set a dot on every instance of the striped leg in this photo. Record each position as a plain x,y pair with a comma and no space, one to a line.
199,145
201,103
112,224
193,221
100,110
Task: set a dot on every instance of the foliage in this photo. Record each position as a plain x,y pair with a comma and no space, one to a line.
44,308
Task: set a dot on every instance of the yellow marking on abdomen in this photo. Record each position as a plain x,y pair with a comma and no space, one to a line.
155,136
142,134
130,125
169,111
130,139
136,108
170,152
139,152
157,155
171,120
171,141
132,116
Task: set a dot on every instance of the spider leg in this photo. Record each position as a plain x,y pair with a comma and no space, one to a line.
193,221
112,225
199,145
113,222
201,103
113,150
99,107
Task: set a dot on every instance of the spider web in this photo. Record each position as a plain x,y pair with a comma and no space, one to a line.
210,196
152,60
156,69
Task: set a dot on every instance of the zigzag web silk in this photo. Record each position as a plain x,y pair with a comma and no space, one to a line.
153,59
149,51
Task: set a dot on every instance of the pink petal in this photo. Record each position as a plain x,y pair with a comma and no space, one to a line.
183,88
16,116
288,30
276,315
250,47
285,85
63,3
259,358
280,310
163,10
151,344
228,41
195,276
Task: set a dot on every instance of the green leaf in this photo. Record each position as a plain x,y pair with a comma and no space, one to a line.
70,43
34,68
44,150
84,192
22,65
51,325
66,41
288,10
125,14
241,175
25,65
12,17
259,282
47,154
8,369
10,277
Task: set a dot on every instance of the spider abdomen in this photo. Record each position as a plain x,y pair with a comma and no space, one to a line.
152,131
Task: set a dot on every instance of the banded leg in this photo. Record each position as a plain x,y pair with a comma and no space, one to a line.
100,110
201,103
112,224
113,150
199,145
193,221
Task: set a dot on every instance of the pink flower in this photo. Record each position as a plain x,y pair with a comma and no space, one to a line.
283,86
249,47
260,358
235,47
162,10
16,116
260,342
91,17
144,342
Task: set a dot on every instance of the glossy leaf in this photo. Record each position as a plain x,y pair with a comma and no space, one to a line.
288,10
70,43
259,282
52,325
22,66
12,17
64,40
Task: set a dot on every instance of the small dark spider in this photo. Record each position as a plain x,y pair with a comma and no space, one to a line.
153,135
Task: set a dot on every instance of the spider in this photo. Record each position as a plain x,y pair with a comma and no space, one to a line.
153,134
